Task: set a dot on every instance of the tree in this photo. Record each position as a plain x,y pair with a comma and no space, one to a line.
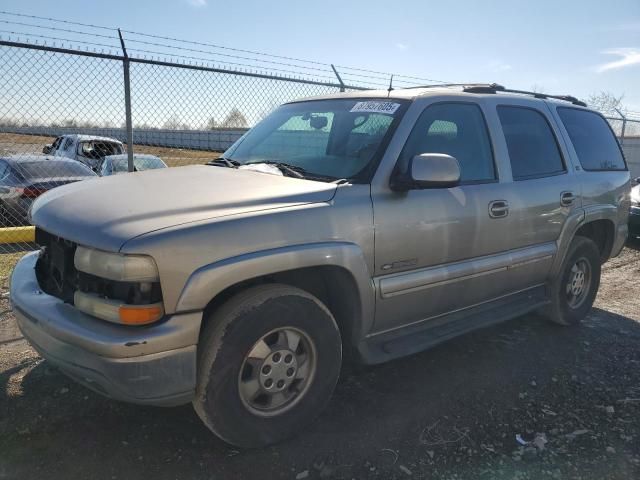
211,124
235,119
172,123
606,103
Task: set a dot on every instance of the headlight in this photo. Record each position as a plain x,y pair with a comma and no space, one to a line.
113,266
121,289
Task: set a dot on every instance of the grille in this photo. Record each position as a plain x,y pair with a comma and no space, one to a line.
55,270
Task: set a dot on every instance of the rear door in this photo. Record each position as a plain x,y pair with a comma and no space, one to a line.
544,191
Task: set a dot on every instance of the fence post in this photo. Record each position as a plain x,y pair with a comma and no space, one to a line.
127,104
624,126
338,77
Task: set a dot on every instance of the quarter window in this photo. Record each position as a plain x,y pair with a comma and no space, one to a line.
533,149
456,129
592,139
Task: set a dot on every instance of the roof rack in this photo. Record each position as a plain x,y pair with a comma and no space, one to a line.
495,88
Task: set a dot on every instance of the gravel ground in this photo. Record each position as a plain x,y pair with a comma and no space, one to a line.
522,400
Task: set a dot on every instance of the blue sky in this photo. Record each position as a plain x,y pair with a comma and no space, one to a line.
564,47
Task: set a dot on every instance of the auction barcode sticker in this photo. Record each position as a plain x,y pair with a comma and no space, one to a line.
376,107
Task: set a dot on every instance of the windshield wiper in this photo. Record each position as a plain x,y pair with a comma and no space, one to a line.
223,162
291,170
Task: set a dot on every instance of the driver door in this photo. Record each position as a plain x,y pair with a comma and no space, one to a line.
442,249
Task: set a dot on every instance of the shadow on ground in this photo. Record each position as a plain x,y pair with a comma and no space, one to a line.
453,412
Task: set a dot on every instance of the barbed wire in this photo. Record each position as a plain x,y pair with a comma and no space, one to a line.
406,79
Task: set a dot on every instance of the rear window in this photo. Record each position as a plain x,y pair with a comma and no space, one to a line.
53,169
532,146
592,139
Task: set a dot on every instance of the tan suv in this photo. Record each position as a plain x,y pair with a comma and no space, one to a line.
372,224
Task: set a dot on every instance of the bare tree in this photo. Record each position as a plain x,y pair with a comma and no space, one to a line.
235,119
172,123
211,124
606,102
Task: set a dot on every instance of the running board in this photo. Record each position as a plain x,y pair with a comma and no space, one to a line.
386,346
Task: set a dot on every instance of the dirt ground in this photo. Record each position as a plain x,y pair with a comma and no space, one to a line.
572,395
11,144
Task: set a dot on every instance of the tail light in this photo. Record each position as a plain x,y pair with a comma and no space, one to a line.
32,192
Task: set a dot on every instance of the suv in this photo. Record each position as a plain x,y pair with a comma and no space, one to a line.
87,149
369,225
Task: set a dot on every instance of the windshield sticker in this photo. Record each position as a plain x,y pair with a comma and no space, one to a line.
376,107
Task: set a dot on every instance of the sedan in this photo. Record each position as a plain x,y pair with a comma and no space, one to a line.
116,164
25,178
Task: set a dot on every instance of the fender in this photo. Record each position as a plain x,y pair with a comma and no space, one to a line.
577,219
208,281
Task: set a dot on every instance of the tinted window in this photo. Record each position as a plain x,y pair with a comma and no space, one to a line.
592,139
532,146
456,129
53,169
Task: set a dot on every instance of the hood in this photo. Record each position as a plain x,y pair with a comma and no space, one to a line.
104,213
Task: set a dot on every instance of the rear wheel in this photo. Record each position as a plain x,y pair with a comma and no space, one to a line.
574,289
268,362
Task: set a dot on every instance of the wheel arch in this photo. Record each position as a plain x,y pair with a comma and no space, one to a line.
335,272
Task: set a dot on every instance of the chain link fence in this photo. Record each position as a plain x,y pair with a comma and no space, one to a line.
66,111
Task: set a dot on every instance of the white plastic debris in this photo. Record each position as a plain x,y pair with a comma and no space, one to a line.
520,440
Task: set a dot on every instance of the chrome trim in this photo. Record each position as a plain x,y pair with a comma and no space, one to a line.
408,282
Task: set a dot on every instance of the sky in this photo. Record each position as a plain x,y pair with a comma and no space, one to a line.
559,47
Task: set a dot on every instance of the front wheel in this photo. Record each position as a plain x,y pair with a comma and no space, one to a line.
574,289
268,362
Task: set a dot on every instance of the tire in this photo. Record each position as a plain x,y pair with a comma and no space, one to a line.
257,316
566,307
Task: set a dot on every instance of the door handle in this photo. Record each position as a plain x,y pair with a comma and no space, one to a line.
498,208
567,198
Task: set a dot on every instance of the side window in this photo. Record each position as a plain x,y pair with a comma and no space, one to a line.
56,143
592,139
4,170
533,149
456,129
67,144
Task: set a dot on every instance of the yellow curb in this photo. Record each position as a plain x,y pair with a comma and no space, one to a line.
17,235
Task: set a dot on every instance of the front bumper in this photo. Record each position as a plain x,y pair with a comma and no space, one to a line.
634,221
153,365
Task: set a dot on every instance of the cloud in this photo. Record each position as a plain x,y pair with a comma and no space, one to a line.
628,57
197,3
402,46
498,66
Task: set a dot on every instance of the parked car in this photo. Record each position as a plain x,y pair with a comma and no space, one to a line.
25,178
634,212
373,225
87,149
116,164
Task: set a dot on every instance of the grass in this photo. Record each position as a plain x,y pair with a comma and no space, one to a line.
7,262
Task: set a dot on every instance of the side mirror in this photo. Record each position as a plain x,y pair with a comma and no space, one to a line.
429,170
47,149
637,180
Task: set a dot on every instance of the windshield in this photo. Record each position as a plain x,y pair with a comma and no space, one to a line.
139,163
329,138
